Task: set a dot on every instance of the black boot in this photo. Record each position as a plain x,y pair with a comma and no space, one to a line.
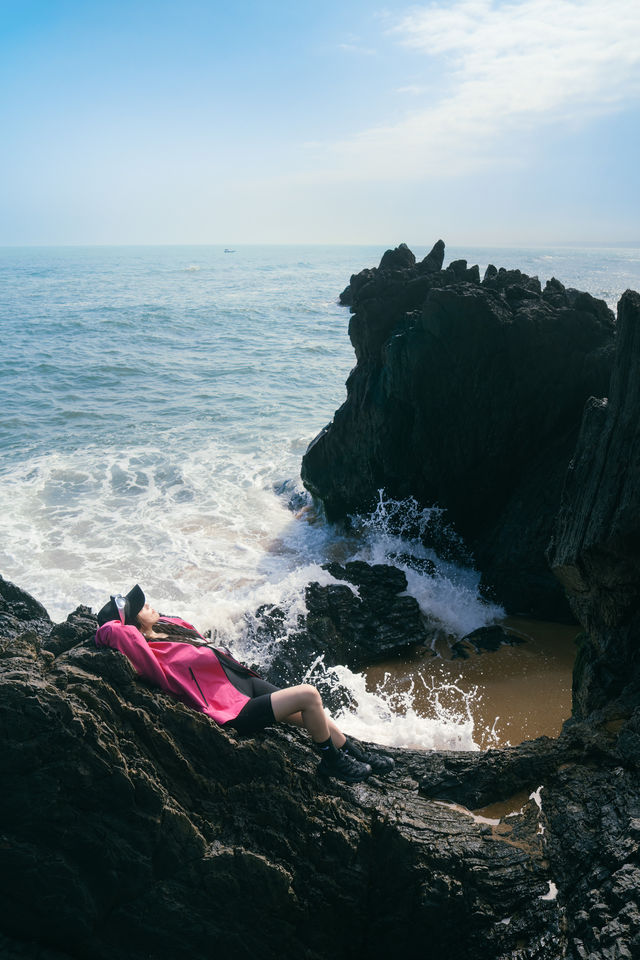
339,764
378,762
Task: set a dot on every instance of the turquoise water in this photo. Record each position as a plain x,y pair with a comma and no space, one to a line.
116,346
121,345
157,401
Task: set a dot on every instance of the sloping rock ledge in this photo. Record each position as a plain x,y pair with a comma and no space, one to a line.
132,827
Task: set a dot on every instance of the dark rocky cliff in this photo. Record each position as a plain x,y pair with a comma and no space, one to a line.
596,545
132,828
467,394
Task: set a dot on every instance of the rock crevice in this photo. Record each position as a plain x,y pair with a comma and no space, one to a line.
595,551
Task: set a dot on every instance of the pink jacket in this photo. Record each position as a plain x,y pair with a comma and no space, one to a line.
191,673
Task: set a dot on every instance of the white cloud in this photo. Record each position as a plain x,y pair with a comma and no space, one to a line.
535,55
505,71
353,45
411,88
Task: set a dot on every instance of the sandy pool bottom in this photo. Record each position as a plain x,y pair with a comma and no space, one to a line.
515,693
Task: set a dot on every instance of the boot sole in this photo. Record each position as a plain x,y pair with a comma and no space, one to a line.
336,776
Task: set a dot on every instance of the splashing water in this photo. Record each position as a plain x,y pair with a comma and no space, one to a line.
181,472
416,538
388,714
447,593
222,559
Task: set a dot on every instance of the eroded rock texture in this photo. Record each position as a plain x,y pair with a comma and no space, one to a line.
596,546
362,617
467,394
132,828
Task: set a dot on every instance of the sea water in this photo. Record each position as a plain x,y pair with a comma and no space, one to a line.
156,403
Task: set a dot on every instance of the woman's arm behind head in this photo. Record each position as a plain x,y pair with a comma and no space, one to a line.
129,641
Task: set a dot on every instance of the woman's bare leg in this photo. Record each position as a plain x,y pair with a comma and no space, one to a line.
337,736
302,705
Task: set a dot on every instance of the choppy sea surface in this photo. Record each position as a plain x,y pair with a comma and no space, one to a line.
156,403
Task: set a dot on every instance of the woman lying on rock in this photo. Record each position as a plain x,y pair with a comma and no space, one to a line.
172,654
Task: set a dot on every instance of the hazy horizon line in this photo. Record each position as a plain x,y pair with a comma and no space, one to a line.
317,243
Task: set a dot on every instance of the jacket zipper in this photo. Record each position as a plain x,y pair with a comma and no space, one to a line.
198,686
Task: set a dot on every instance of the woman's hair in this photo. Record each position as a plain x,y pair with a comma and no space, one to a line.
174,630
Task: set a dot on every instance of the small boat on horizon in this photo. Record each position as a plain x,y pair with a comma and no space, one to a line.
227,250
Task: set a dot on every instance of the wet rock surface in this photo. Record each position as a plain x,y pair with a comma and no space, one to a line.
17,609
467,393
133,827
361,618
484,639
595,551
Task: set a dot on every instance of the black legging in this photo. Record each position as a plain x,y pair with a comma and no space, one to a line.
258,712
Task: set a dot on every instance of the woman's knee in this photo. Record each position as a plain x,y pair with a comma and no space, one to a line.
295,699
310,695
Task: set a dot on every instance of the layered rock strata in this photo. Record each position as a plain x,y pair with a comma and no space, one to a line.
132,828
595,551
363,616
467,393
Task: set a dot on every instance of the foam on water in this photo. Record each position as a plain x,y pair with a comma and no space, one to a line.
396,532
214,546
388,716
191,525
157,402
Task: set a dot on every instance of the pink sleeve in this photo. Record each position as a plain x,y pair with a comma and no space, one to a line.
129,640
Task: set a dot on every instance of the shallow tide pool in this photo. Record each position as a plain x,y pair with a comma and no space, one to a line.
513,694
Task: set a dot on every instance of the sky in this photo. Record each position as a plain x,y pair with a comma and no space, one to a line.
345,121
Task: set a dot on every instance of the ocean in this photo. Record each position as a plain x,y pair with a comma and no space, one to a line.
156,405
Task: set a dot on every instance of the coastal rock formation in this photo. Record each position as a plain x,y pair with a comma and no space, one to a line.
595,551
134,828
468,394
362,618
484,639
17,608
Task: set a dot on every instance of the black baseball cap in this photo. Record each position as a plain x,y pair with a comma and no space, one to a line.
123,608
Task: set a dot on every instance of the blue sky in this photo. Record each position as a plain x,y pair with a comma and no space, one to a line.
335,122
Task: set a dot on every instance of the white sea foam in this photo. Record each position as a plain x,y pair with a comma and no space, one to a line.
389,717
395,533
536,796
192,526
154,419
208,537
202,528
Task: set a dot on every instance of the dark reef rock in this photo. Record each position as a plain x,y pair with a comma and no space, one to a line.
77,626
355,622
397,259
132,828
484,639
18,608
595,551
422,565
469,395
